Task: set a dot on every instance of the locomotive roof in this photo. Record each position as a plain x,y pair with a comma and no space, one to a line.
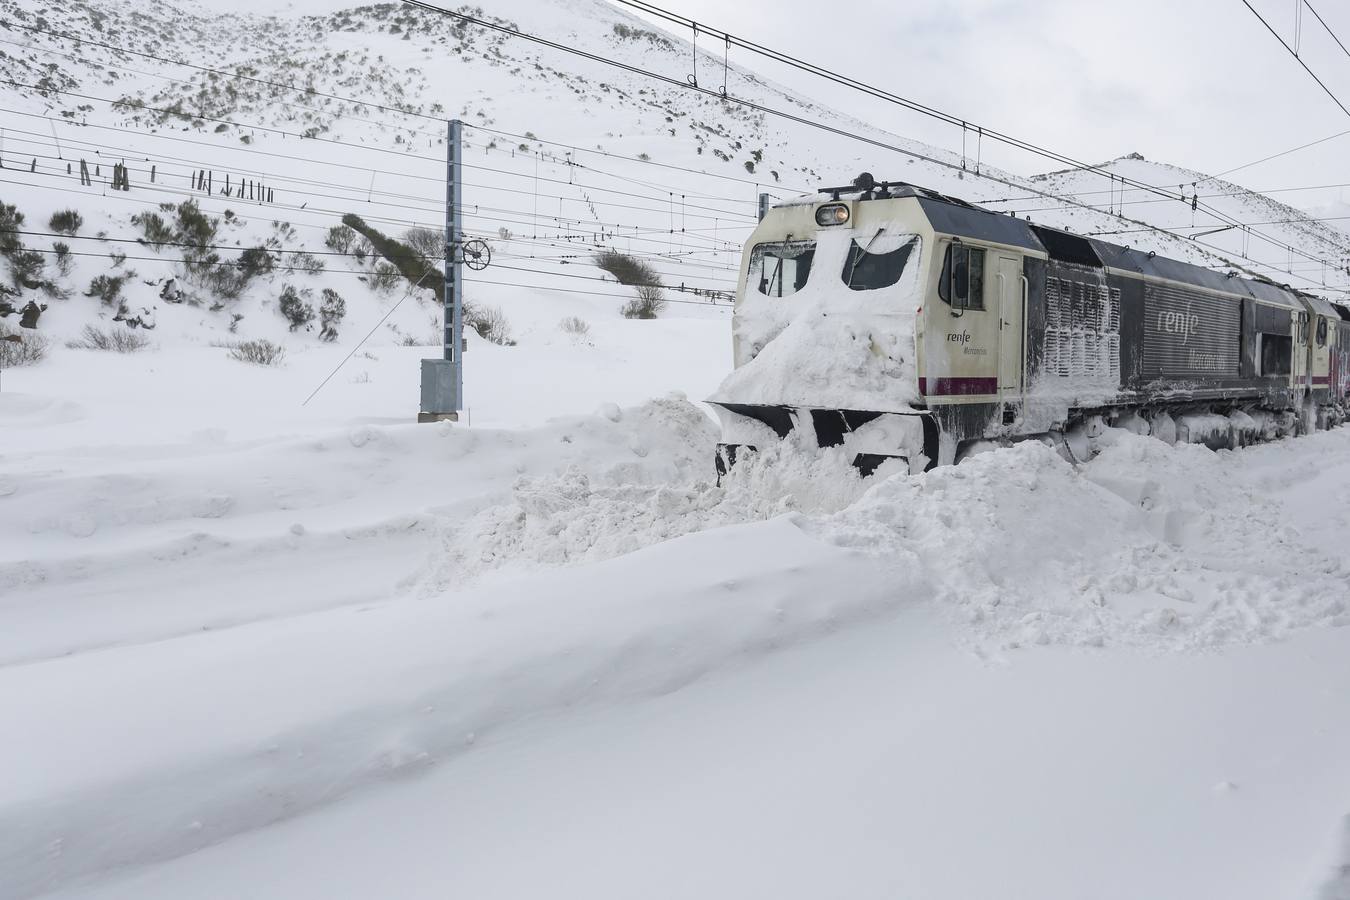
949,215
982,224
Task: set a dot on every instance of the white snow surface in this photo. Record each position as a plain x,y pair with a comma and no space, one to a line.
367,635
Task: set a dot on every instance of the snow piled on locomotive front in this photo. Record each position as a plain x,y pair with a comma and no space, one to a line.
830,347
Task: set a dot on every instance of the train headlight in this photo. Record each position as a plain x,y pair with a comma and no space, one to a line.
832,214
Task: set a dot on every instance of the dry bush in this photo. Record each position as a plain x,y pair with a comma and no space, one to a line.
385,278
118,340
107,288
628,270
295,307
29,350
638,274
649,303
259,352
575,326
340,239
490,323
67,221
427,242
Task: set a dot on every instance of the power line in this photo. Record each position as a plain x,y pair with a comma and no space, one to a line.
307,92
279,179
872,90
638,159
1324,24
749,104
600,188
758,107
230,265
1264,159
1294,53
383,220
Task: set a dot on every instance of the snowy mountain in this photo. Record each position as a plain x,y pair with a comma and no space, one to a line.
278,126
262,635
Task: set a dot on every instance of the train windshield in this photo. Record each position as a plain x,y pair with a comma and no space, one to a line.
780,269
879,262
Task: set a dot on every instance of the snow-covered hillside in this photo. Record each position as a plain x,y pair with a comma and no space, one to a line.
258,640
275,127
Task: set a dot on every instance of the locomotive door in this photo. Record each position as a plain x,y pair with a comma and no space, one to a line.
1012,327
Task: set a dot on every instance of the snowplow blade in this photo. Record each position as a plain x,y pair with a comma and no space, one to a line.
874,436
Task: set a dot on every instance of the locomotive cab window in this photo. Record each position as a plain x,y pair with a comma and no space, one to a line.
780,269
868,270
961,284
1321,332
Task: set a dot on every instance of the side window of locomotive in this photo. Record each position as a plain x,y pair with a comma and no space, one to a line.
1321,332
962,281
867,271
781,269
1276,354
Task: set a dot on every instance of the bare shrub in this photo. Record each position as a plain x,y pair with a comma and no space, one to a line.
490,323
307,262
117,340
30,349
156,231
297,310
67,221
576,327
107,288
64,263
426,242
384,278
339,239
648,305
259,353
627,270
255,261
331,311
637,274
25,269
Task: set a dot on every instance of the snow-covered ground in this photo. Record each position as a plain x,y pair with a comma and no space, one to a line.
318,651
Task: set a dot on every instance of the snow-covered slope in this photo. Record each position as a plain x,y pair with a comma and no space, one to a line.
343,112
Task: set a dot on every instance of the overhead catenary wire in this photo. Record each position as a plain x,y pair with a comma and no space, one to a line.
684,22
742,102
1218,253
1294,53
276,180
711,301
720,213
469,232
636,232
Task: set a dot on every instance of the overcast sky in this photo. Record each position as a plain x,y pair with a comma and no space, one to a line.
1198,83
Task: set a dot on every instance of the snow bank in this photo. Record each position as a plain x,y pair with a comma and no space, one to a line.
120,764
1149,546
574,517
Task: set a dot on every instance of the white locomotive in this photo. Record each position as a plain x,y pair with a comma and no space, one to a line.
904,324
